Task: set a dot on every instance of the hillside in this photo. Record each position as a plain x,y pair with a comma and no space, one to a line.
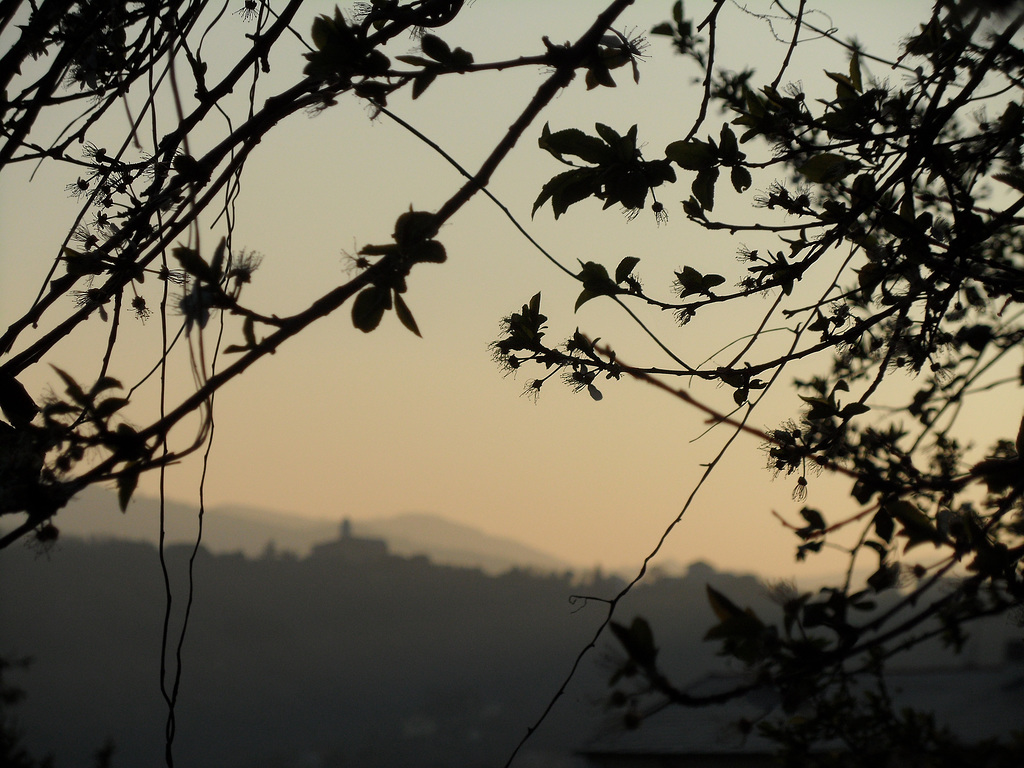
348,656
385,661
94,514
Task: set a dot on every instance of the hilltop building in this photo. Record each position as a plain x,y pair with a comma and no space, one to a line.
351,548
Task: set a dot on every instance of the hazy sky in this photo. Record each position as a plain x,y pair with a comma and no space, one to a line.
340,423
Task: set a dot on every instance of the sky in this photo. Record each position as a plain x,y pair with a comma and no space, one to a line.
341,423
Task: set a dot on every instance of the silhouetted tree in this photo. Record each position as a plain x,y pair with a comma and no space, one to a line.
13,753
888,243
140,202
888,248
71,70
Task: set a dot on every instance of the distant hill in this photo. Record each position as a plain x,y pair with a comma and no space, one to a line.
348,656
327,660
94,514
455,544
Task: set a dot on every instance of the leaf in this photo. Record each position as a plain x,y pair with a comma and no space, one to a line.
855,76
854,409
709,282
638,640
436,48
402,310
1014,177
728,148
880,549
814,518
249,332
80,264
583,298
193,263
369,307
129,444
461,58
127,482
917,526
723,607
109,407
195,305
534,305
217,265
844,86
756,105
860,604
573,141
74,391
870,277
421,82
740,178
863,489
692,209
690,281
104,383
626,146
703,188
821,407
59,408
625,268
414,226
828,168
378,250
427,251
598,74
568,188
810,546
322,28
416,61
19,408
886,577
740,631
596,282
692,155
373,91
610,135
595,277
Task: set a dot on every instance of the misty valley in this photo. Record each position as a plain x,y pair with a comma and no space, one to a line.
347,655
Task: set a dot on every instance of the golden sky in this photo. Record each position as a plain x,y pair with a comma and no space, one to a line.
341,423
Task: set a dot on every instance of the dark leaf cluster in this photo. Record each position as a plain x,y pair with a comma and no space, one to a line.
904,201
614,171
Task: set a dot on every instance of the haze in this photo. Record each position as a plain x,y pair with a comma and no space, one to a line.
342,423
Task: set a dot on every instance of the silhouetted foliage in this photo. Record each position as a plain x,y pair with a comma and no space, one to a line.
12,750
13,753
888,246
